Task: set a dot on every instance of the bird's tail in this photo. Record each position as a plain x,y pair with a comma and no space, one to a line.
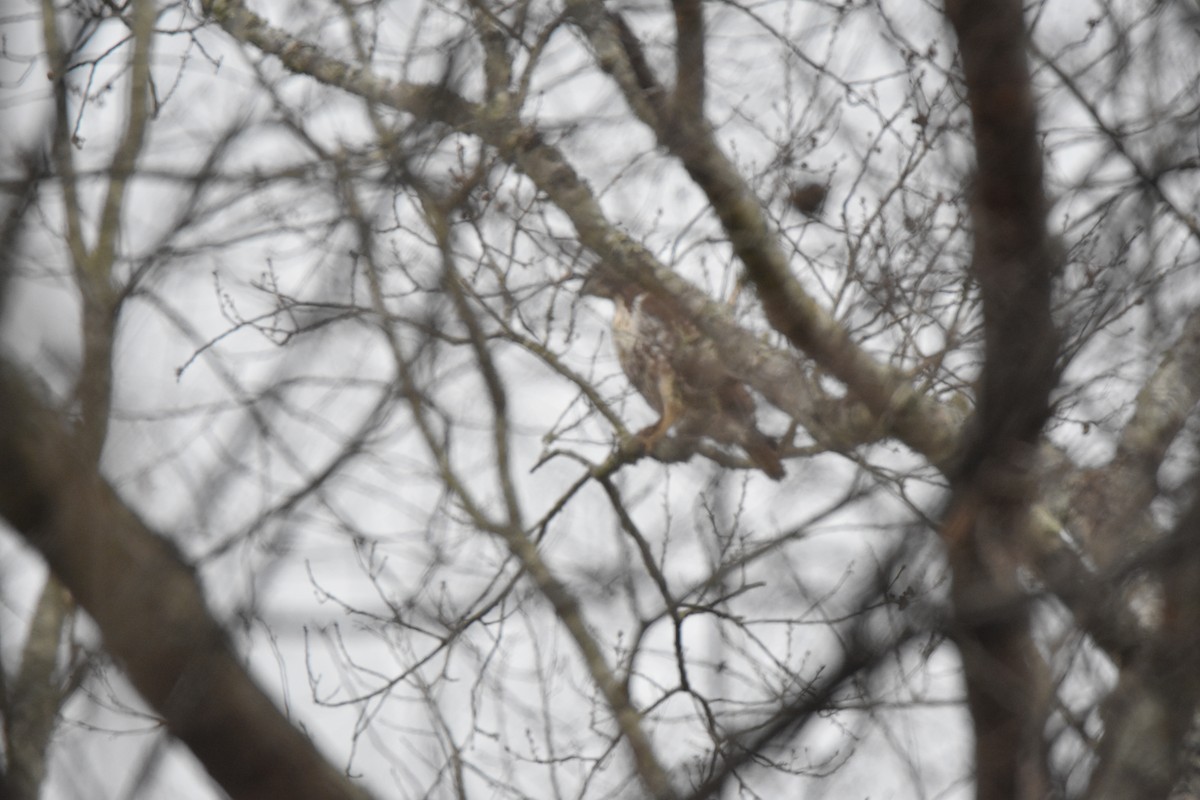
765,454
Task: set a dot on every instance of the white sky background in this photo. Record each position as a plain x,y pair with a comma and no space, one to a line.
294,584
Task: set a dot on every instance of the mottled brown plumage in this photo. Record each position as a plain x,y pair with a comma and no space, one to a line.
679,373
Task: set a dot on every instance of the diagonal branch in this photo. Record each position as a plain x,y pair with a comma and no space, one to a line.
777,374
149,608
791,310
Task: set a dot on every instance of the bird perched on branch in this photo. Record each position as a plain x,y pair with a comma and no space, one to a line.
679,373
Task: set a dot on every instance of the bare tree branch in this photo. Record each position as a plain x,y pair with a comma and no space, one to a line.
991,511
150,609
33,700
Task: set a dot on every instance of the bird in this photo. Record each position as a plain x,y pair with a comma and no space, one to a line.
677,370
808,198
